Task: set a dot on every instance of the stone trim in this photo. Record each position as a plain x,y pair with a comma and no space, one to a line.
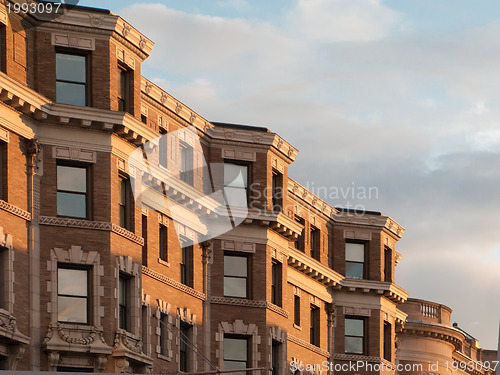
358,357
75,255
126,265
238,327
89,224
146,315
4,135
307,345
7,253
171,282
357,235
79,41
238,154
163,308
74,154
249,303
277,334
357,311
15,210
184,315
230,245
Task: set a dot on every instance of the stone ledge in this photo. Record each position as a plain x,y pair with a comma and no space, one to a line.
6,206
171,282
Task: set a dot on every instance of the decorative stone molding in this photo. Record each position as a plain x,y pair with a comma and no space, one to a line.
249,303
127,234
15,210
75,154
278,165
357,311
70,40
163,316
171,282
88,224
239,154
357,357
146,315
276,254
230,245
308,345
278,335
238,327
184,315
357,235
162,219
313,300
4,135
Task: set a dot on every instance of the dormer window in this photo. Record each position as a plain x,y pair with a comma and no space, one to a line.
71,79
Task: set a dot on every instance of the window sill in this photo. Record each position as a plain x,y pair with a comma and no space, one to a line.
161,261
164,357
297,327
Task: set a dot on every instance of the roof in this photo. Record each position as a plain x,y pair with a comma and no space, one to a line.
242,127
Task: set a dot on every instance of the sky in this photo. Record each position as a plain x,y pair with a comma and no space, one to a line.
397,96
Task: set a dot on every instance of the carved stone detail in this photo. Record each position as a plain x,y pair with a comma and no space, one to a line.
95,20
15,210
308,345
171,282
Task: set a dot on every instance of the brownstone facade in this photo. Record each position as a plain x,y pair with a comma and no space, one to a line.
101,275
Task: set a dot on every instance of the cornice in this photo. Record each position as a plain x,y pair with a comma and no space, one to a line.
6,206
171,282
160,96
307,345
304,195
313,269
390,290
435,331
380,221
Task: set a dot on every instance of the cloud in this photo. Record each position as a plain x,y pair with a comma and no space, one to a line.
343,20
367,99
239,5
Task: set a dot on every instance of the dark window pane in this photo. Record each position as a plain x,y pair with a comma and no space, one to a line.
354,327
71,179
69,204
71,93
235,287
235,175
70,68
72,282
354,270
235,349
235,266
354,345
72,309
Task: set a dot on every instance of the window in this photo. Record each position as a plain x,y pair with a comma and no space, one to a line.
145,328
387,341
184,339
314,330
123,90
187,266
186,163
296,310
315,242
3,171
276,283
72,191
124,302
354,335
236,276
71,79
4,290
164,243
73,295
277,191
144,119
388,264
3,51
236,354
354,260
275,357
164,334
299,242
144,226
124,202
163,148
235,184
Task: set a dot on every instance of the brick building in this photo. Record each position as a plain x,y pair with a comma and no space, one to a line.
121,254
